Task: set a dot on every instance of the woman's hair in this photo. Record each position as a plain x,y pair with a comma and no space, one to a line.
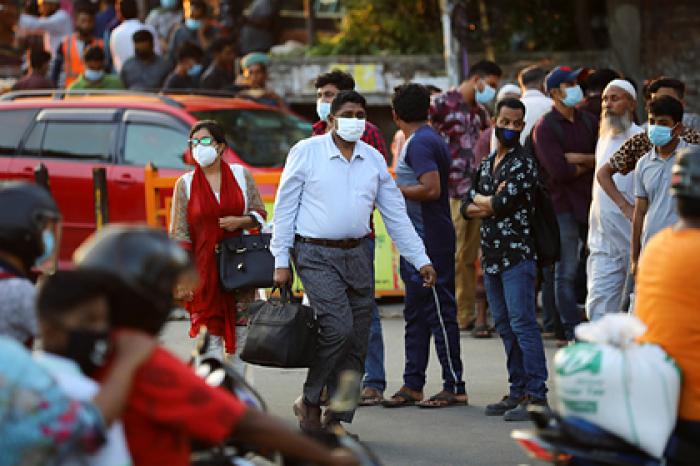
214,128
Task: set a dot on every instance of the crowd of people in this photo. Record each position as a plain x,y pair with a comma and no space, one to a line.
110,48
469,165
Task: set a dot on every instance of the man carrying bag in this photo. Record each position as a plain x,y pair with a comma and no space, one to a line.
329,187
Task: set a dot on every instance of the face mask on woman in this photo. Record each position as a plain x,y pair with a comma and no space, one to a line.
204,155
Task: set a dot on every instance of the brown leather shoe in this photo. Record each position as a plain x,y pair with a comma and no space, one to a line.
309,416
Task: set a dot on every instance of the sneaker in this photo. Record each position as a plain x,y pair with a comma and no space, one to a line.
506,404
520,413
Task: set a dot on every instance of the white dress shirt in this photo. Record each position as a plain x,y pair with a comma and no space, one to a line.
536,105
608,228
55,28
121,42
322,195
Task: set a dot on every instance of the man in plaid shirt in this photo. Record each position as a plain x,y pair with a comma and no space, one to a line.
328,85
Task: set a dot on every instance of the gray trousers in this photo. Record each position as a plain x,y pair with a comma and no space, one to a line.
339,285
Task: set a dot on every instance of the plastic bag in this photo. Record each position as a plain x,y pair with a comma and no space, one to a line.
627,388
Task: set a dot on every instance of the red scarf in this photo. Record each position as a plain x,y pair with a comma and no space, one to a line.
211,306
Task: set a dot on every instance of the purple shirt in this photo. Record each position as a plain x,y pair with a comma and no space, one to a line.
569,192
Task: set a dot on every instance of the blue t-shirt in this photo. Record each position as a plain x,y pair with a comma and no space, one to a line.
424,152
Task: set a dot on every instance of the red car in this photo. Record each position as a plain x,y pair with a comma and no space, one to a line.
122,132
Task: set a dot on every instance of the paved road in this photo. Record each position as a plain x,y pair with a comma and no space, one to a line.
409,436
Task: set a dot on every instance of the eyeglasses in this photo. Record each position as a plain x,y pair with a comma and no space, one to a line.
205,141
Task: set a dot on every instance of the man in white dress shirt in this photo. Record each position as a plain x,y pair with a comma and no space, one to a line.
531,80
329,187
121,42
609,229
54,22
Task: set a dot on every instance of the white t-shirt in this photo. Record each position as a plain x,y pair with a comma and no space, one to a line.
536,105
80,387
121,42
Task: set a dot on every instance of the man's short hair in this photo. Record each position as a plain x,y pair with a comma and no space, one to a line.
344,97
63,291
596,81
510,102
485,68
411,102
219,45
142,35
38,58
532,77
665,105
200,5
84,8
674,84
94,53
189,50
129,9
433,89
340,79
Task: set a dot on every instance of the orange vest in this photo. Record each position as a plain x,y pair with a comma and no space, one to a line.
73,60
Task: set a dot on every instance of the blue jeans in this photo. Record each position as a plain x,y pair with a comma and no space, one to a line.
511,297
375,376
572,234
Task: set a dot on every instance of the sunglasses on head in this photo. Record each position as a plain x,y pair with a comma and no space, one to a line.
205,141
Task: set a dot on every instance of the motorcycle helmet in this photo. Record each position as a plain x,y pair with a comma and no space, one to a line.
26,210
685,181
146,265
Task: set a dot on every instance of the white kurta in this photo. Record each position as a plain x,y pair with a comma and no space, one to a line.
608,234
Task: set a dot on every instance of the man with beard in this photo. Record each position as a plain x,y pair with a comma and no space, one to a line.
68,59
609,229
145,70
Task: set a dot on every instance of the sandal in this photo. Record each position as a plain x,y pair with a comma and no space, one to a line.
402,398
445,399
371,397
482,331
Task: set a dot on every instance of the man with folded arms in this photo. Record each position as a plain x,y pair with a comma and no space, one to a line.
328,190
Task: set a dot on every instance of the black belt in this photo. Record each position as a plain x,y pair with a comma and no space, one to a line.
331,243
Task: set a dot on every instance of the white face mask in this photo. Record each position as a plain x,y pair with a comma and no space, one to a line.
350,129
323,109
204,155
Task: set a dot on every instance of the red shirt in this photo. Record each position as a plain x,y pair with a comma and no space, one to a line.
169,406
371,136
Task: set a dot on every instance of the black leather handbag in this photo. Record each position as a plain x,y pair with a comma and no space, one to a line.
281,333
245,262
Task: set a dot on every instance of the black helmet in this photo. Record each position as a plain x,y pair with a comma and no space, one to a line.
147,264
686,174
25,211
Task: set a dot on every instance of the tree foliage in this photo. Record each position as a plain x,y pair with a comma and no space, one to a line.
386,26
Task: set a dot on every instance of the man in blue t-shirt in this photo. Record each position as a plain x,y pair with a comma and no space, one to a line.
422,173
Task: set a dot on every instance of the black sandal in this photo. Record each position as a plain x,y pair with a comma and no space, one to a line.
399,400
482,331
443,400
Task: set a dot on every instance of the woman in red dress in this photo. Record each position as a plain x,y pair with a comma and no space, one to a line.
214,201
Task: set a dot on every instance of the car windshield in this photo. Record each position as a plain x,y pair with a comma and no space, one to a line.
261,138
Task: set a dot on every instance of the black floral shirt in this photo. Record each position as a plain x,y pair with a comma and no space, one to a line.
506,237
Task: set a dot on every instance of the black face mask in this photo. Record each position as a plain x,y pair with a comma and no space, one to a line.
88,349
508,137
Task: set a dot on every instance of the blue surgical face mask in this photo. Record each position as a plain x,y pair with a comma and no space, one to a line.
168,4
486,95
323,109
93,75
49,243
195,70
574,95
659,135
193,24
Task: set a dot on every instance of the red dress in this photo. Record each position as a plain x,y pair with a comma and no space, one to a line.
211,306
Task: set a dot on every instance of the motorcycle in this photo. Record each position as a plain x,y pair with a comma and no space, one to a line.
572,441
219,373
